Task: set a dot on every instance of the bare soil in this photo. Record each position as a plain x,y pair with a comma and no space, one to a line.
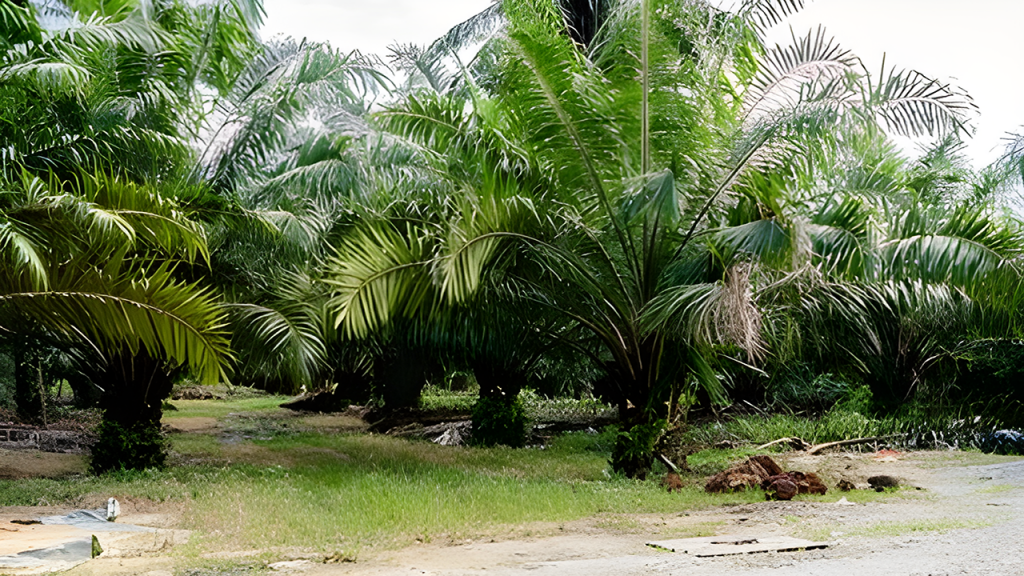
18,464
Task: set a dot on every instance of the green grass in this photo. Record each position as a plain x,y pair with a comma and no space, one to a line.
539,408
438,398
714,460
997,489
757,429
221,408
334,493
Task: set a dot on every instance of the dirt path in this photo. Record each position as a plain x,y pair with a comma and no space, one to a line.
967,520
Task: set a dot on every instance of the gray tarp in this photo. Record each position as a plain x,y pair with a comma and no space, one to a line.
69,554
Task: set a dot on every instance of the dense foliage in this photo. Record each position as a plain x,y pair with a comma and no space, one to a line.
640,201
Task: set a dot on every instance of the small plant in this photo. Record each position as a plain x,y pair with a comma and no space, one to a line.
136,447
500,421
634,448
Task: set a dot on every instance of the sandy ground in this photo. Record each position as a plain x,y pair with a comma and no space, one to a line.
963,520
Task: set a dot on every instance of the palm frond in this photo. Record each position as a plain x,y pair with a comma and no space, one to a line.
182,323
379,273
786,72
912,104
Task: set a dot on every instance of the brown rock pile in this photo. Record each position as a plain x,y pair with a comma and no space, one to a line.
764,472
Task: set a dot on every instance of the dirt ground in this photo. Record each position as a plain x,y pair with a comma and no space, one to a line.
18,464
963,519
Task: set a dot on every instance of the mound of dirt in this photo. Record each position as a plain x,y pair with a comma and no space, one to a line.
753,472
785,486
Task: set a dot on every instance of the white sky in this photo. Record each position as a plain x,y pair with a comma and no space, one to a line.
975,43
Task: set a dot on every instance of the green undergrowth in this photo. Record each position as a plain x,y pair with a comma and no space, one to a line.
539,408
440,398
221,408
347,492
907,431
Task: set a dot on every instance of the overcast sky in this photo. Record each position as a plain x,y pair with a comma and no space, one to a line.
975,43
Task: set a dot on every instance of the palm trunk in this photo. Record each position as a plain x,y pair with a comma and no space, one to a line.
135,388
26,386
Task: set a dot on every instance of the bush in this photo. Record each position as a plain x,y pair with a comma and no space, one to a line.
801,388
633,454
500,421
134,447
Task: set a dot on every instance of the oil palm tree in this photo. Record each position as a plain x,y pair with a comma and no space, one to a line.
97,236
624,230
903,261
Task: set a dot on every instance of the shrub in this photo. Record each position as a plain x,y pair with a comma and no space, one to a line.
801,388
128,447
500,420
633,454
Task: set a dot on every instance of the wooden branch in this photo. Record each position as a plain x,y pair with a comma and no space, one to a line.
795,442
820,447
668,463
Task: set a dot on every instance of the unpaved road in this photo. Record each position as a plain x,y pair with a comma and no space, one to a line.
965,520
898,536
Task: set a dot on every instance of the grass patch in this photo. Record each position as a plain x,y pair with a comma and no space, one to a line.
349,492
997,489
196,445
714,460
440,398
221,408
759,429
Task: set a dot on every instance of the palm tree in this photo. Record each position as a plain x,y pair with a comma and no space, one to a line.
292,157
96,103
904,262
645,262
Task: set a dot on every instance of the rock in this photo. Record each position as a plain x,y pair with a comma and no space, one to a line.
880,483
845,485
672,482
809,483
750,473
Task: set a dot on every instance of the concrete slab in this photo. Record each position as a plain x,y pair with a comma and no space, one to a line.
731,545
